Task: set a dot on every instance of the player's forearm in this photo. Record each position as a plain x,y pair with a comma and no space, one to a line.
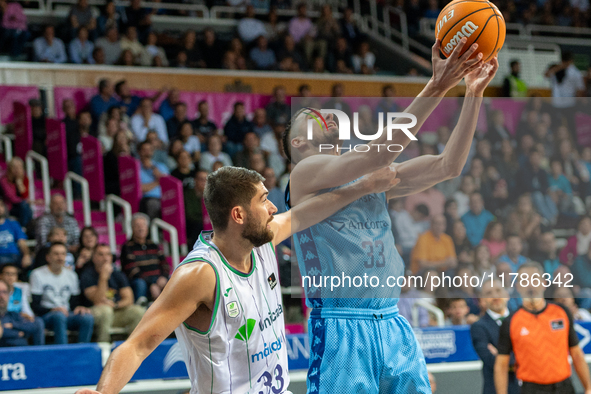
121,366
581,367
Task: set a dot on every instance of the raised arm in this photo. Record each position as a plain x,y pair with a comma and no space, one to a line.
318,208
425,171
178,301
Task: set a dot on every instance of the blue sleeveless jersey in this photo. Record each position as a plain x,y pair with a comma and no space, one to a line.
357,243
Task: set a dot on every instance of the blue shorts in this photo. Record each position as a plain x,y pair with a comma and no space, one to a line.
365,352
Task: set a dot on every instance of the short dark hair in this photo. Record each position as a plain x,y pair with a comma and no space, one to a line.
513,63
386,87
201,103
141,145
286,137
54,244
567,56
237,103
422,209
302,87
102,84
226,188
118,85
9,265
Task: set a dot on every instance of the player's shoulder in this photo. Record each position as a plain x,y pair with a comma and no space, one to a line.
310,163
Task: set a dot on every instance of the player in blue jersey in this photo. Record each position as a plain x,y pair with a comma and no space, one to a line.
359,343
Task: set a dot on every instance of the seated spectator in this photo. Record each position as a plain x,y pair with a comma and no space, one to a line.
327,26
150,173
159,150
174,123
560,189
251,145
174,150
457,312
48,48
513,256
56,235
74,144
88,242
463,247
236,128
145,120
58,217
340,53
524,220
18,301
260,125
13,27
278,111
578,244
534,180
81,16
547,253
152,51
276,195
214,153
111,45
189,51
108,18
462,196
130,42
434,248
363,57
111,130
15,329
195,211
80,48
466,291
166,109
262,56
405,228
451,215
349,28
494,239
204,127
13,245
15,191
564,296
185,170
476,219
120,148
56,298
289,50
211,51
190,141
257,162
408,296
100,103
129,101
581,270
249,28
142,261
483,264
108,295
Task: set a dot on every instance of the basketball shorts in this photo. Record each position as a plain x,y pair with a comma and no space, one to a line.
364,352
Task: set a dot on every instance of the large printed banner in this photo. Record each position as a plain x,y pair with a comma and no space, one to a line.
173,206
92,167
34,367
57,154
10,94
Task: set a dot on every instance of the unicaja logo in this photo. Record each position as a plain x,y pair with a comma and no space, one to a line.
245,331
344,125
466,31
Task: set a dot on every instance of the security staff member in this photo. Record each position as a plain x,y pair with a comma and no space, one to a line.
541,335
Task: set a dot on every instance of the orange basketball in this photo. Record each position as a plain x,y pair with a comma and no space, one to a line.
479,21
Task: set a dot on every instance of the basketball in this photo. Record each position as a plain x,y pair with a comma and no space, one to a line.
480,21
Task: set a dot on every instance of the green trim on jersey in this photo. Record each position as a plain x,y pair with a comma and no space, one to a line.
272,247
234,270
217,296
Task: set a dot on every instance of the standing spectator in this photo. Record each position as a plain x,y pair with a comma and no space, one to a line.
58,217
14,328
364,57
81,16
111,162
546,324
249,28
434,249
349,27
142,261
547,254
56,293
513,256
174,123
152,51
108,295
203,126
48,48
236,128
485,334
15,190
108,18
150,174
101,102
211,50
214,153
139,18
146,120
513,86
87,245
278,111
578,244
167,106
494,239
190,141
189,48
18,302
13,27
39,131
533,179
13,242
262,56
185,171
195,211
476,219
111,45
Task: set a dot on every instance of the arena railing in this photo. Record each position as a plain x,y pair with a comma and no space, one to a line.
73,177
419,303
7,141
162,6
159,224
111,200
30,160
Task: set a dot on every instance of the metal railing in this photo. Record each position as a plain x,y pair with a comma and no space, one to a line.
174,238
111,200
73,177
161,6
419,303
7,141
30,160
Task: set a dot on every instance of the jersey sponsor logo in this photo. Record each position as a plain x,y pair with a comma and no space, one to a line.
524,331
337,225
367,225
557,324
232,309
272,280
268,321
227,291
466,31
245,331
268,350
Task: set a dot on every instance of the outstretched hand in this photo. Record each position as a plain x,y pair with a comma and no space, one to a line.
447,73
480,77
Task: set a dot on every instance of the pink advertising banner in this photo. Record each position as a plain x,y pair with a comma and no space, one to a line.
23,129
11,94
57,154
583,125
92,166
512,109
173,206
129,181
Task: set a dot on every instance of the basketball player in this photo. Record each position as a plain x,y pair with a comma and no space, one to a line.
359,343
224,300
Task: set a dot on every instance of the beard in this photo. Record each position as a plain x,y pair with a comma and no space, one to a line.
257,235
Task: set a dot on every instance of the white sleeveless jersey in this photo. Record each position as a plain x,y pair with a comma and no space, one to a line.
244,350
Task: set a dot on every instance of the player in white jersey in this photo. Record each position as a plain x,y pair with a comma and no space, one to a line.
224,300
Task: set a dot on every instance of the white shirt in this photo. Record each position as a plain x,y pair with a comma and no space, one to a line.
156,123
369,60
583,243
192,145
207,160
497,317
406,228
564,94
249,29
55,290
